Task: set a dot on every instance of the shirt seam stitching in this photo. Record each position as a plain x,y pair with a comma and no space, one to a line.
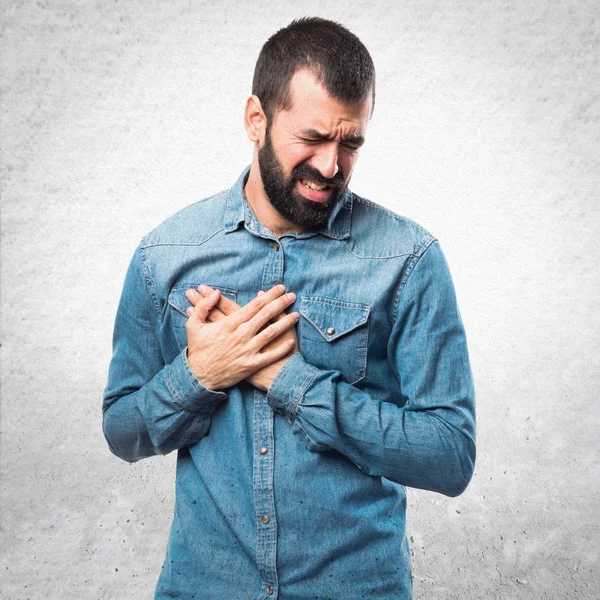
188,435
297,398
150,287
299,425
160,244
425,245
377,257
397,217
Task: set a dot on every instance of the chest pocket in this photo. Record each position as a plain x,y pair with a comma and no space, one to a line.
335,335
178,304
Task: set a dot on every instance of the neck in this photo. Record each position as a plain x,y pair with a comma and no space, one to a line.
262,207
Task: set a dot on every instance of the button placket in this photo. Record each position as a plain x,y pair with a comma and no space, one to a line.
273,269
264,501
264,498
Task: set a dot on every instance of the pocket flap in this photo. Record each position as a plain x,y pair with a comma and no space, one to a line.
333,318
180,303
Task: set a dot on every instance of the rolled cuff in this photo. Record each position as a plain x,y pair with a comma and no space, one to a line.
290,385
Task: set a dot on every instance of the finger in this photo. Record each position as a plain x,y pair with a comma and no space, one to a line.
194,297
274,330
264,359
254,306
271,310
276,318
260,293
226,305
202,309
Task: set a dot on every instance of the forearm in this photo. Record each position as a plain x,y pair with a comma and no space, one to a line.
148,407
168,412
426,439
429,449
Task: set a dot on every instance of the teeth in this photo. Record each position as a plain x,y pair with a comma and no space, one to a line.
313,186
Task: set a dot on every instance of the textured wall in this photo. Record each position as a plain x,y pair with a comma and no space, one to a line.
486,131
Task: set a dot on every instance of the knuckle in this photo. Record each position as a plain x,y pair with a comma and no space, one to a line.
241,334
227,325
255,362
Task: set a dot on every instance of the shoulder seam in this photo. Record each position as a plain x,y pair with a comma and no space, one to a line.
146,240
155,244
387,257
391,213
149,281
411,264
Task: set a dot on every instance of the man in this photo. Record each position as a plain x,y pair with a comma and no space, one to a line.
300,347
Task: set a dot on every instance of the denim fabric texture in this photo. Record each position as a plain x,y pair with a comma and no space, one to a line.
299,493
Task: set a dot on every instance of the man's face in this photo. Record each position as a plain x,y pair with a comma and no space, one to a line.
309,151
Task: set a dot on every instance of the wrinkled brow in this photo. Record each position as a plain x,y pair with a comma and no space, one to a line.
352,138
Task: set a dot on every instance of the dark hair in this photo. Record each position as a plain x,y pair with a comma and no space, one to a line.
337,58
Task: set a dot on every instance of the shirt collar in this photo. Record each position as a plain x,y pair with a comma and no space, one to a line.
239,211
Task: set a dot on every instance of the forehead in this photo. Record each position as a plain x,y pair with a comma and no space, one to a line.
312,106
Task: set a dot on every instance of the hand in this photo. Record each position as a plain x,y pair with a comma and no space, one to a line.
224,348
263,377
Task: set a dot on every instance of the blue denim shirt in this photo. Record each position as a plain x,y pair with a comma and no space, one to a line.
298,493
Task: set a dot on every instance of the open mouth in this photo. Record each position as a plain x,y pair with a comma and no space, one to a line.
315,192
314,186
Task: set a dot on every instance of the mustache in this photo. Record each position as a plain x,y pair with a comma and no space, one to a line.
304,171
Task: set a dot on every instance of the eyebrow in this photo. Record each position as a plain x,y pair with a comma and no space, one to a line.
353,138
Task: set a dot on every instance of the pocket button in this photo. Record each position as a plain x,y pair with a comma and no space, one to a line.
333,334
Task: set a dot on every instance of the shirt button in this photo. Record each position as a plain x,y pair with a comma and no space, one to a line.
269,590
330,331
265,519
262,450
276,246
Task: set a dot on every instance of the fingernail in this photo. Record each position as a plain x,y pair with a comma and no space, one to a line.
202,289
189,294
189,311
295,315
281,288
291,296
260,293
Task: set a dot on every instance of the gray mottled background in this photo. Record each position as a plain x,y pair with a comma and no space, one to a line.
486,131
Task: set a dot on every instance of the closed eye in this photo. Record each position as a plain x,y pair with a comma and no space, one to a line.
352,146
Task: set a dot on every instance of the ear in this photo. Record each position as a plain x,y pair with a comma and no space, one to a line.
255,120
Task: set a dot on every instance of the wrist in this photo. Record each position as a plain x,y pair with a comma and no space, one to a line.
203,378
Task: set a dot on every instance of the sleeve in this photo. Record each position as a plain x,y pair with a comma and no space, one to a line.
427,439
150,408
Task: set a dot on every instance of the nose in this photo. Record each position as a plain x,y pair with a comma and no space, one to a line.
326,159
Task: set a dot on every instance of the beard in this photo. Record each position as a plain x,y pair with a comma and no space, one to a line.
285,199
